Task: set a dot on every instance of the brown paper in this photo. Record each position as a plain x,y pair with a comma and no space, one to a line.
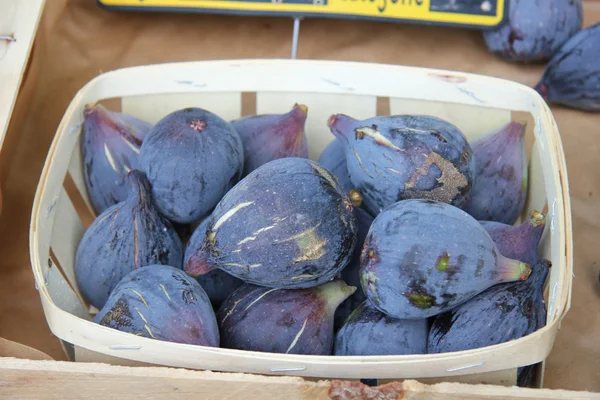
77,40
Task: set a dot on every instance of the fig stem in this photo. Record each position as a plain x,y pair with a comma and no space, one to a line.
334,293
512,270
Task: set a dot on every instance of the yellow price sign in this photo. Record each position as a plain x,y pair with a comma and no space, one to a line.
470,13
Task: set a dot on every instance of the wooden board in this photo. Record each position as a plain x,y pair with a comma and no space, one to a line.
26,379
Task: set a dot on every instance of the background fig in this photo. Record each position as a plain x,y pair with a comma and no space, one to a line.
499,314
192,157
161,302
422,257
333,159
572,75
272,136
217,284
518,242
110,148
125,237
500,186
535,30
298,321
370,332
286,225
394,158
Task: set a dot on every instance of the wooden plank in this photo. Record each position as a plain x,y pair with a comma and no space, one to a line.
25,379
22,18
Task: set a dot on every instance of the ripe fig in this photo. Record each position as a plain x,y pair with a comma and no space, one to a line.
351,273
124,237
402,157
286,225
110,148
518,242
423,257
500,187
571,76
370,332
333,159
217,284
192,157
535,30
499,314
298,321
272,136
161,302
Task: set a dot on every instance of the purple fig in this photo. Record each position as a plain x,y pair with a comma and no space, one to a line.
535,30
110,148
501,313
192,157
572,76
286,225
500,187
423,257
394,158
217,284
298,321
333,159
123,238
351,273
370,332
272,136
518,242
163,303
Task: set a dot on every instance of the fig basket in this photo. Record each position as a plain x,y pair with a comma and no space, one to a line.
474,103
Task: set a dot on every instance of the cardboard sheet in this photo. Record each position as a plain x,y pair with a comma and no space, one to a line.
77,40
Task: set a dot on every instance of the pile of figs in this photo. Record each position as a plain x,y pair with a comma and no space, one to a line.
403,238
550,31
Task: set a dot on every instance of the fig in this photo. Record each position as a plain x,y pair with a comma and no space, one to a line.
501,313
500,187
163,303
110,148
291,321
351,273
400,157
192,157
123,238
217,284
333,159
269,137
288,224
535,30
370,332
518,242
571,77
422,257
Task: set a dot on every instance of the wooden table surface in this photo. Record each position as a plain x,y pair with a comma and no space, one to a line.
77,40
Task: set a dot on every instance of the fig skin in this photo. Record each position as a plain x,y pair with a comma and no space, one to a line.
286,225
500,188
110,147
123,238
533,30
161,302
291,321
268,137
217,284
393,158
369,332
191,157
333,159
421,258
